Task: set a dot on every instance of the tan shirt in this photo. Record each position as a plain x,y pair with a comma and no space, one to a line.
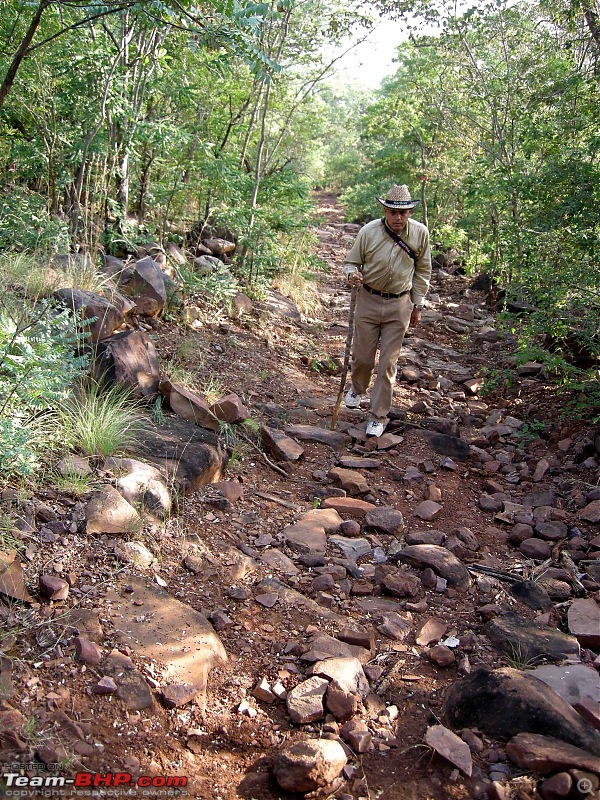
385,266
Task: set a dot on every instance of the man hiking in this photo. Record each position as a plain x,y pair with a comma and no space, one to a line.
391,262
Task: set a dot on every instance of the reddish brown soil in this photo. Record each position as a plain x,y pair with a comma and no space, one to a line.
270,362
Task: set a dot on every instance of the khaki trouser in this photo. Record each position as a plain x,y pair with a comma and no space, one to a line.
383,322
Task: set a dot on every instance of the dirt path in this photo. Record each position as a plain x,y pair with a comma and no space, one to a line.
231,560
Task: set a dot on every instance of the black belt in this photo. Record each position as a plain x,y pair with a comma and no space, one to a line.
385,295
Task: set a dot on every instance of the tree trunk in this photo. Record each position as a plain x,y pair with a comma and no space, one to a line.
424,201
591,20
122,181
11,74
147,160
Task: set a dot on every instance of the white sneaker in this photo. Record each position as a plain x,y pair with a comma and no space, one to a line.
375,428
352,400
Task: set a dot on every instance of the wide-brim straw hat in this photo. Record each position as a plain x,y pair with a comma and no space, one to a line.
398,197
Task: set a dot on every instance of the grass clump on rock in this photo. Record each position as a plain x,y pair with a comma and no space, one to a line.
99,422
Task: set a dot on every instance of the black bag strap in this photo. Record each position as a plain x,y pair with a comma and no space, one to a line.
398,240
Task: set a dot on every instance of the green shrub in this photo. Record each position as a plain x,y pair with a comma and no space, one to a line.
38,363
25,223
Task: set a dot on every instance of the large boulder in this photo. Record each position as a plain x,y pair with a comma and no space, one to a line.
189,456
129,359
520,638
147,286
103,317
506,702
219,246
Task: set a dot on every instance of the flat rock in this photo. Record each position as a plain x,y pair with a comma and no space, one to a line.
106,511
134,553
160,628
274,588
12,581
584,622
441,561
384,519
520,638
308,534
281,306
177,695
441,655
544,754
323,647
305,701
348,506
282,447
310,433
428,510
573,682
507,701
277,560
489,503
84,621
346,671
354,462
132,688
425,537
348,479
431,630
552,531
74,465
86,651
451,747
401,584
352,549
395,625
105,685
377,605
309,765
591,512
388,440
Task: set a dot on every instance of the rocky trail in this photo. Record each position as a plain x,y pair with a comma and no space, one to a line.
413,617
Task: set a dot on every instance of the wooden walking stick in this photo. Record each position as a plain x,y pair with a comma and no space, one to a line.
344,375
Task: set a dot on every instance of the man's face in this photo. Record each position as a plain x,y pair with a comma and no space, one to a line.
397,218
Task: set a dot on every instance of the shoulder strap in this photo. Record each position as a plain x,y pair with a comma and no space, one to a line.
398,240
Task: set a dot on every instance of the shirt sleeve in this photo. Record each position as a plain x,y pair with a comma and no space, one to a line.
422,274
355,257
